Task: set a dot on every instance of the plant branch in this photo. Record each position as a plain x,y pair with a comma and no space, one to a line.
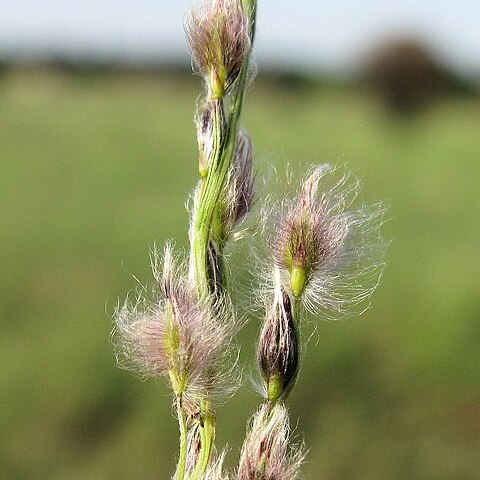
182,424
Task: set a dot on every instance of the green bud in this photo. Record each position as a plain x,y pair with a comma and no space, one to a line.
278,349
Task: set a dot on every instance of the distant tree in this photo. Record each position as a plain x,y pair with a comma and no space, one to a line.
408,76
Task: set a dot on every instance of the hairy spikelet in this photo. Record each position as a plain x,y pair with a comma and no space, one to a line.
239,192
266,453
215,468
278,348
176,334
328,251
240,184
211,126
218,34
215,471
193,450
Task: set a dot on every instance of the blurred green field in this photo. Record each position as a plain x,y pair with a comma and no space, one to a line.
94,170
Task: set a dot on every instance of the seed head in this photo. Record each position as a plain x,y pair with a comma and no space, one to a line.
265,453
239,192
278,348
211,118
218,33
177,336
331,253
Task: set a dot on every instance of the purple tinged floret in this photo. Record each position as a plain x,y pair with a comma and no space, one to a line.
266,453
331,252
278,348
179,337
218,33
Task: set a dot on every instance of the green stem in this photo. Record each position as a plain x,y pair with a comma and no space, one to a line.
182,423
211,190
212,186
297,306
210,193
250,7
207,439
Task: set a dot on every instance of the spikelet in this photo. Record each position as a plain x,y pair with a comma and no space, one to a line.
239,192
278,348
211,132
330,253
218,34
215,471
266,453
179,337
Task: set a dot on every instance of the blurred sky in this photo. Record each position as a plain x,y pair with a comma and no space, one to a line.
309,33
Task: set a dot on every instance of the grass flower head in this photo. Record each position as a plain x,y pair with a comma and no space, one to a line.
266,453
278,348
218,33
330,252
177,336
